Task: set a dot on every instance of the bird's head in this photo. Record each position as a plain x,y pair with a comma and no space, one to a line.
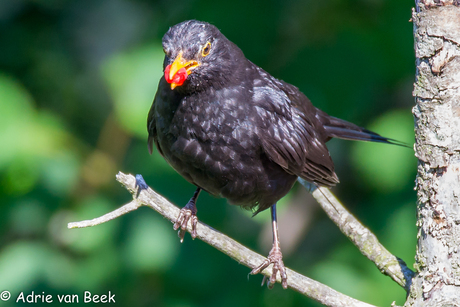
198,53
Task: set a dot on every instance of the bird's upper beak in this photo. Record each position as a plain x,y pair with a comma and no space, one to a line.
177,72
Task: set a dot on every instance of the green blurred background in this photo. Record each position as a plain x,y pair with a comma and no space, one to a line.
76,82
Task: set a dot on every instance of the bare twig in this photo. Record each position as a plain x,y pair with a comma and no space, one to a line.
296,281
107,217
361,236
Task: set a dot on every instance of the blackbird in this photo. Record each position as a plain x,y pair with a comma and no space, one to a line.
234,131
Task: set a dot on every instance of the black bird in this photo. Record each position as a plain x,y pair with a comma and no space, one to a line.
234,131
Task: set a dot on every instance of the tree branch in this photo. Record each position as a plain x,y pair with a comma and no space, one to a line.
296,281
361,236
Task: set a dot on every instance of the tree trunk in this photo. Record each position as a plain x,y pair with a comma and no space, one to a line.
437,146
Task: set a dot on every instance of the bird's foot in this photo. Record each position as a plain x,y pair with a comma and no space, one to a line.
186,213
275,257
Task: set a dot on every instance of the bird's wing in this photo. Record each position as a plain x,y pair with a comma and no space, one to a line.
290,133
151,127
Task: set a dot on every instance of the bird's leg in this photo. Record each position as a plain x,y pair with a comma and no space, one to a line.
186,213
275,256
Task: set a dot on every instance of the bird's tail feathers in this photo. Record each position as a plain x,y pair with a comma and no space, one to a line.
339,128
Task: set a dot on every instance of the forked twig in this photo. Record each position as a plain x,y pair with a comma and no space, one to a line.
296,281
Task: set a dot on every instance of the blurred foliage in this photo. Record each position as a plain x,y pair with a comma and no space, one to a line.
128,76
76,82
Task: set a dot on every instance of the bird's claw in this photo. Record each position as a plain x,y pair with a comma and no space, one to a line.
275,257
187,213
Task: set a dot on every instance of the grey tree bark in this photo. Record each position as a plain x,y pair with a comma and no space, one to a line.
437,133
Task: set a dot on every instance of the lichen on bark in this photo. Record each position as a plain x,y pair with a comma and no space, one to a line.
437,132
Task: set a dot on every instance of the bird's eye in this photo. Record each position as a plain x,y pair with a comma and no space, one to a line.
206,49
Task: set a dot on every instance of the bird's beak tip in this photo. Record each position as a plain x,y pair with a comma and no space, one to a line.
177,72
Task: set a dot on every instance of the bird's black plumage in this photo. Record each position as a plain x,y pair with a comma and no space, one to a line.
232,129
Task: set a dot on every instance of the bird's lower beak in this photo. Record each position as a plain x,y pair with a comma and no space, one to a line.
177,72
